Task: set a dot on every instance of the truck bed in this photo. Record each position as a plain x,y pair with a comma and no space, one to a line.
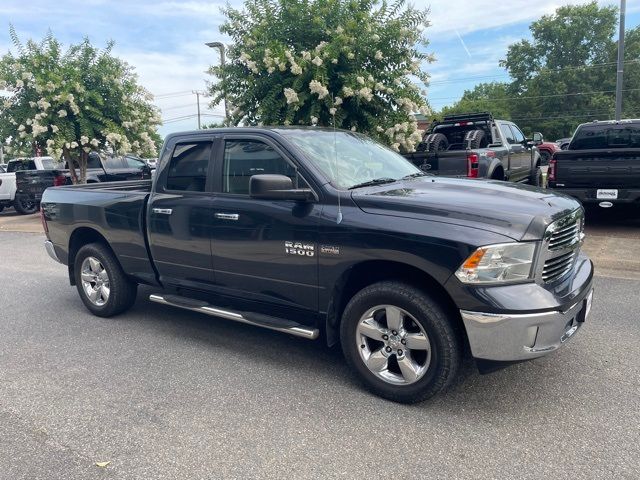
116,210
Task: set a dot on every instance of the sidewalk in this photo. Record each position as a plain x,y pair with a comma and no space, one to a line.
11,221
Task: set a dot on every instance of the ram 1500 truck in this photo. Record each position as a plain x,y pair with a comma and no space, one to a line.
601,165
475,145
9,194
315,232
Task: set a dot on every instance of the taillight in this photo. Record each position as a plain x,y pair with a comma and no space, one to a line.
44,221
472,165
59,180
551,172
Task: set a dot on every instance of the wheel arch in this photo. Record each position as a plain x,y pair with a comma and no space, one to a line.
494,168
369,272
80,237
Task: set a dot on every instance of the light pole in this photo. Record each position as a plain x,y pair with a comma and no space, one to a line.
620,72
221,49
197,94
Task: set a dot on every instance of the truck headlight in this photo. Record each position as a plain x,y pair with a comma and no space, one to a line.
503,263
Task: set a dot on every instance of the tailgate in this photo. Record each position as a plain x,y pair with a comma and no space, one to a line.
34,182
598,168
440,163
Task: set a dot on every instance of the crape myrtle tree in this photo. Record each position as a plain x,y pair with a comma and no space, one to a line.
352,63
70,102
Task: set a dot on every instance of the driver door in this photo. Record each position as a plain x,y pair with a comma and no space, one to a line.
264,251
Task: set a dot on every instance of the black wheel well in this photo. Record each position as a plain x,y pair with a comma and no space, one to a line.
498,173
80,237
367,273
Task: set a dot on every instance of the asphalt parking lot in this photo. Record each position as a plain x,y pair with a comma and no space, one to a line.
162,393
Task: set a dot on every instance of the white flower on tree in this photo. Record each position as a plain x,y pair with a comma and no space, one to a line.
319,89
291,95
317,61
62,113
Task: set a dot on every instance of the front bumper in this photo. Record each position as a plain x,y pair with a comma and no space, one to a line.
516,337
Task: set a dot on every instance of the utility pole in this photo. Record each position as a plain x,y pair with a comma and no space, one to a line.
619,76
197,93
220,47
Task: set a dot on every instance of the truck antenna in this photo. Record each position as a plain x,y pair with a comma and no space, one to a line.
335,151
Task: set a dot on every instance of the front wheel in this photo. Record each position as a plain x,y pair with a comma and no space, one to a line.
102,284
536,178
399,342
25,205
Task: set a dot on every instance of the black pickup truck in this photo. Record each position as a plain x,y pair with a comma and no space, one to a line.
601,165
31,184
475,145
315,232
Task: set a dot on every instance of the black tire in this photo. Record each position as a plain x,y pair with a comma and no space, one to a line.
1,208
122,291
474,139
445,346
536,178
24,205
434,142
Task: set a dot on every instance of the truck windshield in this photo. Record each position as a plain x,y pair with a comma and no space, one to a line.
592,137
348,159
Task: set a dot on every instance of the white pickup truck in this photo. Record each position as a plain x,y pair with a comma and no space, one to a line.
8,182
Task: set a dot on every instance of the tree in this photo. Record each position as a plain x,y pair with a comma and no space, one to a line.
70,103
565,74
304,62
484,97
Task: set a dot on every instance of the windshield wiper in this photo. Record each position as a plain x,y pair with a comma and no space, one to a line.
415,175
375,181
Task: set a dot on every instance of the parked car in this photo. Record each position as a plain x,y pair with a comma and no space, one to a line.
8,196
563,143
100,168
298,230
152,162
547,149
476,145
601,165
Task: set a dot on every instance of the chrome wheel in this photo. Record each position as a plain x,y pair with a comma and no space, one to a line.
95,281
393,345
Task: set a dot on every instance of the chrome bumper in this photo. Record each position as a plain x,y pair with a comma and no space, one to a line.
48,246
513,337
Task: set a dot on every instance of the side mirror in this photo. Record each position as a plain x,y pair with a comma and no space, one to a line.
278,187
537,138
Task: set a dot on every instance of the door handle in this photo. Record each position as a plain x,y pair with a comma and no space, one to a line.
162,211
227,216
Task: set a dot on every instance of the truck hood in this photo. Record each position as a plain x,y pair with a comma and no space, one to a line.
516,211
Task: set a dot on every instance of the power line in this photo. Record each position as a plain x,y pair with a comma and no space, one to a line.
542,70
501,99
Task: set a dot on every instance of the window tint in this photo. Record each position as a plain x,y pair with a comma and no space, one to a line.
606,136
244,158
506,133
20,165
517,134
188,167
111,163
93,160
133,162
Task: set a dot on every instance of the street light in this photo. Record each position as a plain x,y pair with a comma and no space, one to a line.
220,47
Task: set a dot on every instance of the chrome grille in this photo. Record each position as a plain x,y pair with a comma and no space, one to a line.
556,267
561,247
565,235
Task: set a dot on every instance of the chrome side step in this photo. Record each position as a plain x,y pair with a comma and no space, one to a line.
264,321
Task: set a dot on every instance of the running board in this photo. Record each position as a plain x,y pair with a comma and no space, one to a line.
256,319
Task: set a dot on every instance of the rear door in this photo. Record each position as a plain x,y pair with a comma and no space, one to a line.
264,251
181,215
519,156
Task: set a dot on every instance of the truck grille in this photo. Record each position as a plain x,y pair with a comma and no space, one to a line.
566,235
558,266
562,240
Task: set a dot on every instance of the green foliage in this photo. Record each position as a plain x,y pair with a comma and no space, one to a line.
302,62
565,75
68,103
485,97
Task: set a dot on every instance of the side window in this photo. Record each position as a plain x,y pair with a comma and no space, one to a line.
93,161
112,163
506,133
517,134
188,167
133,162
244,158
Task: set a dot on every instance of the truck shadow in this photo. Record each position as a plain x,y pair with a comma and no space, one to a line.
299,359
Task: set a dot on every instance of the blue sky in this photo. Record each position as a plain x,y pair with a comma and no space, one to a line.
164,41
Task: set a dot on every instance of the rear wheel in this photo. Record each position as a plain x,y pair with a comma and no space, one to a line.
24,204
399,342
536,178
102,284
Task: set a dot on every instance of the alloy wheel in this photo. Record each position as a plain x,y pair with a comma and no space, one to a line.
95,281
